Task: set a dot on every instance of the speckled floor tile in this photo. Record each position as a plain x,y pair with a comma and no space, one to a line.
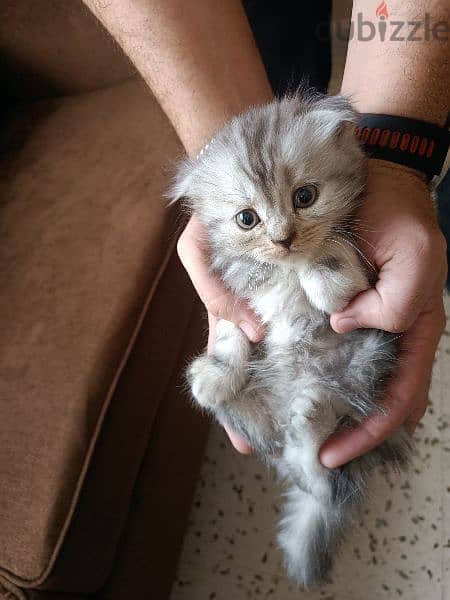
400,549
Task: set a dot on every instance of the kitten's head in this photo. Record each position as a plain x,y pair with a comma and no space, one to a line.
277,182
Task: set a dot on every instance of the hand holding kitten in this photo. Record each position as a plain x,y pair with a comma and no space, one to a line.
219,302
400,234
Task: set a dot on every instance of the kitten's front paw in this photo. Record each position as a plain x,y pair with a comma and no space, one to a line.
206,378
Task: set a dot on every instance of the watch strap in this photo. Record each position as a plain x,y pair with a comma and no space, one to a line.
416,144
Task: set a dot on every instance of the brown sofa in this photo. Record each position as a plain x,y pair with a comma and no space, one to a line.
99,448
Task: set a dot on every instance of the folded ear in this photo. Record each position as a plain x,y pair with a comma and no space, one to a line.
333,118
181,188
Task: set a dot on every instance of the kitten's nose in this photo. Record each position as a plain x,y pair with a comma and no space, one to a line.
286,243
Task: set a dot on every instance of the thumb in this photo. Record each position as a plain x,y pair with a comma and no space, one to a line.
228,306
394,313
219,301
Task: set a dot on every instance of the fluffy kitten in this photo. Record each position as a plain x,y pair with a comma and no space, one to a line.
276,191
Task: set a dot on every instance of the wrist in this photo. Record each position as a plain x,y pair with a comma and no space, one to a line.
398,205
403,172
409,187
398,195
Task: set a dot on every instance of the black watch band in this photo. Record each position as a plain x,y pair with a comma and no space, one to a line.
415,144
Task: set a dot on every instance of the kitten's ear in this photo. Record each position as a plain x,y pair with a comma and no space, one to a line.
181,188
334,118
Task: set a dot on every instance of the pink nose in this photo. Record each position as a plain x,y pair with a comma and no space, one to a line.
286,243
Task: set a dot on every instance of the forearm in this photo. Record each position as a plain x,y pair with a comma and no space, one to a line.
405,78
198,57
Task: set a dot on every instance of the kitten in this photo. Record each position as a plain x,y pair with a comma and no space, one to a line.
277,190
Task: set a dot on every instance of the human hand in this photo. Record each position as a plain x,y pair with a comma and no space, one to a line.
218,300
399,233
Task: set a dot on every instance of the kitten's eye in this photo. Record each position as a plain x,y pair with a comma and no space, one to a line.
247,219
305,196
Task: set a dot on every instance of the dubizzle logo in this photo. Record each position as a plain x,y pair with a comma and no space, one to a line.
384,26
382,11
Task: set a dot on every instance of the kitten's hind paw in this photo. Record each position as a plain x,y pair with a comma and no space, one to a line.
209,380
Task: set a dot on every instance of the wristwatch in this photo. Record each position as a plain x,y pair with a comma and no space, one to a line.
416,144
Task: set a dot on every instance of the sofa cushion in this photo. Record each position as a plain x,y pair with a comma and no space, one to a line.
9,591
143,471
151,542
85,238
50,47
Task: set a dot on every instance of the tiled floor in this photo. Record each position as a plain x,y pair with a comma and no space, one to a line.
401,548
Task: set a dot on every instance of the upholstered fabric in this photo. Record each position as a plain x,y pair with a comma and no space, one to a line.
49,47
153,535
86,239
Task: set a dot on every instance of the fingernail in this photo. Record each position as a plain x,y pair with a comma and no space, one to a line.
328,459
347,324
249,330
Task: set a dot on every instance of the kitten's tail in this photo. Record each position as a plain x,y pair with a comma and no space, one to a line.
309,535
313,527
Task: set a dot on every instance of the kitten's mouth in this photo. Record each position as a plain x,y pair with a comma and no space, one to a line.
292,249
277,254
285,253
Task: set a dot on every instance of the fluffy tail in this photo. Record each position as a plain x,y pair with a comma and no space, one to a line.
313,527
310,534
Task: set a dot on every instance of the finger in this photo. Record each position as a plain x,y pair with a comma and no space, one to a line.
238,442
228,306
407,389
395,302
217,298
417,415
212,322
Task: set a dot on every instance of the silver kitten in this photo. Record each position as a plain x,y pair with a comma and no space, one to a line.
277,190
